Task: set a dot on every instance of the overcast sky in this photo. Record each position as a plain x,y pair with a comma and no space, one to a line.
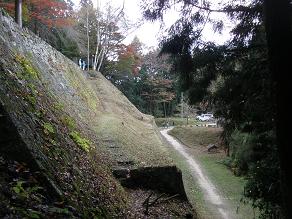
149,32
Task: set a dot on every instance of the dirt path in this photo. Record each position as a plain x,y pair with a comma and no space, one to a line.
213,199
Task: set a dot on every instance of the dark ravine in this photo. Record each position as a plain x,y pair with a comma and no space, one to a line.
53,157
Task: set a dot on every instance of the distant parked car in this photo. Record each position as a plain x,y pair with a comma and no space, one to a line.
205,117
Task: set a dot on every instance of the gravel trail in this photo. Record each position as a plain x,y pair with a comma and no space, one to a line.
212,197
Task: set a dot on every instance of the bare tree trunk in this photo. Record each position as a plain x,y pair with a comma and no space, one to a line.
164,109
101,59
97,36
279,35
97,53
182,105
87,33
103,44
18,12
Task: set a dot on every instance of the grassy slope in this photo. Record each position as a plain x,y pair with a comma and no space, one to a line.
134,133
230,186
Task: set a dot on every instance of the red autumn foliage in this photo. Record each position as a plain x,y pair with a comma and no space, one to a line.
50,13
129,53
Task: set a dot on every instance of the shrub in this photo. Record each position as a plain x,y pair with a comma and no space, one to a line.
241,146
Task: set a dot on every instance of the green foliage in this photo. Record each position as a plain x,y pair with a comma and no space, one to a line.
29,70
84,143
241,146
64,43
20,190
58,106
59,210
69,122
31,99
33,214
48,128
153,90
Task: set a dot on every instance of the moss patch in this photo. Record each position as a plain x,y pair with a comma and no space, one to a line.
84,143
29,70
69,122
58,106
48,128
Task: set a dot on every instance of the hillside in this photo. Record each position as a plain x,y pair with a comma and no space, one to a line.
64,131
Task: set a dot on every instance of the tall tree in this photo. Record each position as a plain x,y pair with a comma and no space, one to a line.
87,33
106,27
279,36
107,31
18,12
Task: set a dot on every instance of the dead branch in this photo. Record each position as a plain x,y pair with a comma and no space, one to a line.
169,198
147,199
155,200
147,203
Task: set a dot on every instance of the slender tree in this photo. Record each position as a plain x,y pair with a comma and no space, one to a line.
87,33
18,12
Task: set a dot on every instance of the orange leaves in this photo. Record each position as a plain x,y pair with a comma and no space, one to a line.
8,6
51,13
130,57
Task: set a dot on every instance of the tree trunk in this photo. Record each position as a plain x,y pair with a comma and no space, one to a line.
101,59
87,33
97,36
182,105
279,36
164,109
18,12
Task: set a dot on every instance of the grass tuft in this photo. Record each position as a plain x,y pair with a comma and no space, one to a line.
48,128
84,143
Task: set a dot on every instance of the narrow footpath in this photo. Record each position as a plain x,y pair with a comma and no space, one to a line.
213,199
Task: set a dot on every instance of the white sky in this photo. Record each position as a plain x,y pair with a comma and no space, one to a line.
149,32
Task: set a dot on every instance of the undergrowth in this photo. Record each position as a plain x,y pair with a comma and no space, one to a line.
84,143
